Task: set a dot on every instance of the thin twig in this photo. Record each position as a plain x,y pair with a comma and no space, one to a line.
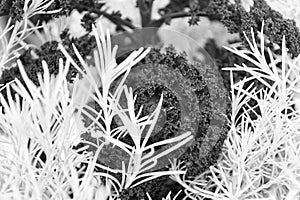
164,18
113,18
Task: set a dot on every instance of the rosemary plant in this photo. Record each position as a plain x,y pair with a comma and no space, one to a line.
40,119
67,100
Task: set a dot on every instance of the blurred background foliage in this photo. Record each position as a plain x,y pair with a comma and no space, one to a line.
212,23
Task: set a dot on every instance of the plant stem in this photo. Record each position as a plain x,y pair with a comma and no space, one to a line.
112,17
145,7
168,17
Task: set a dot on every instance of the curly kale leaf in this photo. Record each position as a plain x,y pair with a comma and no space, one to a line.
5,6
238,20
15,9
197,157
32,59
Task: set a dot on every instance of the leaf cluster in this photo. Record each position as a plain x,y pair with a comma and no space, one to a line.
49,52
15,9
238,20
260,159
193,158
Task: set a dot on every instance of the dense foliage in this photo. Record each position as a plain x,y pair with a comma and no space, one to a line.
32,58
237,20
149,79
233,15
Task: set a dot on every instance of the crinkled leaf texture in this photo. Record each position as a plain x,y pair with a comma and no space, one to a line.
43,124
